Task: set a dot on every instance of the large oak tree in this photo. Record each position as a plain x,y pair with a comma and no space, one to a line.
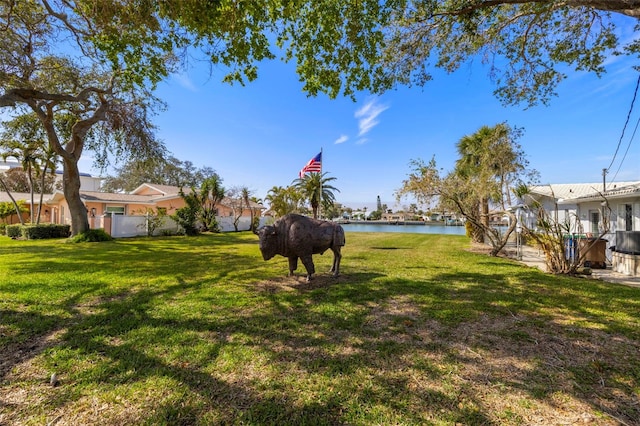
99,60
49,66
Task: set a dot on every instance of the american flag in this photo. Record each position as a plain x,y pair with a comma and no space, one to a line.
314,165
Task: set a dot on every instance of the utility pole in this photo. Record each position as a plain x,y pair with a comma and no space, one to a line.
604,180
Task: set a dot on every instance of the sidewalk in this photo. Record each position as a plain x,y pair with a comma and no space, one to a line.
533,257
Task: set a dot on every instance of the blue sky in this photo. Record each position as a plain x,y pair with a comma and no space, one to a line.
262,134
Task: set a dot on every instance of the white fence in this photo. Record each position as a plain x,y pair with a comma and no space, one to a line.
133,226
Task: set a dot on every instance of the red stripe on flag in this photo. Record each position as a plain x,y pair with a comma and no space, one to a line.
314,165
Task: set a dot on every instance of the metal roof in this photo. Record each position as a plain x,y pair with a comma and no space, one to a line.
574,191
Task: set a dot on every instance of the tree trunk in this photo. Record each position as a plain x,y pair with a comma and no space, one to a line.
476,230
501,239
484,215
42,182
476,233
32,214
71,189
13,200
251,215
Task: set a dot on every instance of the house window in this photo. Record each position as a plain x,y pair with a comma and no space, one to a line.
626,217
594,220
115,210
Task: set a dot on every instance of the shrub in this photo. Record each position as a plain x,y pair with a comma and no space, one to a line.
187,217
14,231
38,232
154,219
3,228
44,231
91,236
213,225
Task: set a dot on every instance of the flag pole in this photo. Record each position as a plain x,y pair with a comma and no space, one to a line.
320,195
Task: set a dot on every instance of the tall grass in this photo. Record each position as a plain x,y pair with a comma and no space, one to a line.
200,330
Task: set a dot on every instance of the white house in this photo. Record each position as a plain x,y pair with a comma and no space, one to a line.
582,204
587,207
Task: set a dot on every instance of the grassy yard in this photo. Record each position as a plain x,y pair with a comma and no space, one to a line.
417,330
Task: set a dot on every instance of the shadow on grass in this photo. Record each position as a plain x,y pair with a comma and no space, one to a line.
446,347
516,338
540,335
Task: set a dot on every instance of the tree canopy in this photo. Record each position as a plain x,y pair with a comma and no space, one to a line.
51,66
161,171
527,46
94,64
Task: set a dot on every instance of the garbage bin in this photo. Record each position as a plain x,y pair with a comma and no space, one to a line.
596,257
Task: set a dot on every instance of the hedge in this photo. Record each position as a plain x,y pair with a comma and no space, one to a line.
13,231
38,232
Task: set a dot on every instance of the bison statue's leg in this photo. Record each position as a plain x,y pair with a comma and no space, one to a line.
293,264
307,261
337,256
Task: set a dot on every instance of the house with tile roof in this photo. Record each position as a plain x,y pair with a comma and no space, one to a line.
146,196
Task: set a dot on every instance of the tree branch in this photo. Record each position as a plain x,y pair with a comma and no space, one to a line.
13,96
625,7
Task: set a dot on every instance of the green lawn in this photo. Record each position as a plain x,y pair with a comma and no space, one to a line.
417,330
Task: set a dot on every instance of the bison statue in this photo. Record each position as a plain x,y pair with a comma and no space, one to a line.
294,236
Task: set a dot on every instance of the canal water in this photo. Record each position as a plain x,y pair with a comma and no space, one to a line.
417,229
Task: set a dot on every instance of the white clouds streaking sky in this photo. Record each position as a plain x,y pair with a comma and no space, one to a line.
341,139
368,114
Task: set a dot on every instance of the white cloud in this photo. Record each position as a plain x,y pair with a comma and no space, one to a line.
341,139
362,141
368,116
184,81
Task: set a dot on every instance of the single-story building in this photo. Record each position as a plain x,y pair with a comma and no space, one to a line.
147,196
581,205
591,209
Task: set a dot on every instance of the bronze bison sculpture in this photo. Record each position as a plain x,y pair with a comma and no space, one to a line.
295,236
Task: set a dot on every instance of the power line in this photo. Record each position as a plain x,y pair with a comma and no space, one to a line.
625,124
627,150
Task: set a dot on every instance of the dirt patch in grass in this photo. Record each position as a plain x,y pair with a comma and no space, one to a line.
17,354
300,283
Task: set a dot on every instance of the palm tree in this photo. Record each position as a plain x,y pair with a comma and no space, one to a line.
211,193
316,189
245,194
255,200
490,164
475,150
23,138
284,200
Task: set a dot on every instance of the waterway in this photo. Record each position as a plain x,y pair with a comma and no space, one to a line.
416,229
